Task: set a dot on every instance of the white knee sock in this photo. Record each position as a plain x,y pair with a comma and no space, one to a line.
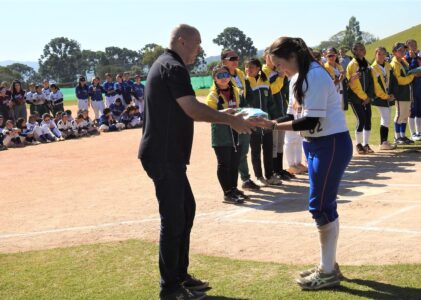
366,137
328,235
289,153
358,137
418,125
411,122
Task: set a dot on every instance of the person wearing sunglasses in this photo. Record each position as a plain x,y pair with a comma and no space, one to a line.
224,96
230,59
403,93
360,93
259,96
335,70
384,83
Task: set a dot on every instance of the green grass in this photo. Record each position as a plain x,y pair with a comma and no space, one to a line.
411,33
128,270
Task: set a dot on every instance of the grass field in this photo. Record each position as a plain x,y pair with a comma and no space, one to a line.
128,270
411,33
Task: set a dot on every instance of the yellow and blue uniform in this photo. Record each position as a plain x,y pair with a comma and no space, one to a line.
334,72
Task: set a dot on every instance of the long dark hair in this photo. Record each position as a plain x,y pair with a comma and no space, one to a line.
286,48
215,70
256,62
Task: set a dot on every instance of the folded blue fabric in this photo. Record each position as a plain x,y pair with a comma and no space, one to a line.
253,113
416,70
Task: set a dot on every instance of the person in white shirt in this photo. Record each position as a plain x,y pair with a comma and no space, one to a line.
56,99
328,147
48,123
66,127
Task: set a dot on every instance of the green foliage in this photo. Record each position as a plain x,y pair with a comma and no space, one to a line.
353,33
8,75
233,38
61,60
150,53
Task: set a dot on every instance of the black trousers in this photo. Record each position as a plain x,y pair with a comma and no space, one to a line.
177,209
363,114
228,162
259,141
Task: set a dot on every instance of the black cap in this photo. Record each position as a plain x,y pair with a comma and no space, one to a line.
82,78
399,45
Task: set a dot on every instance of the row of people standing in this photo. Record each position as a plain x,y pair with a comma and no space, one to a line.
122,88
41,98
381,84
263,87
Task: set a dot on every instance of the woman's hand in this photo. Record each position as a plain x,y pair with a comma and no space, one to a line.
261,122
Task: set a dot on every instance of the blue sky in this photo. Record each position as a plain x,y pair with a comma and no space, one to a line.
132,24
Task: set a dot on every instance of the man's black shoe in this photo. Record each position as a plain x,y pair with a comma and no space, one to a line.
250,185
193,284
183,294
232,198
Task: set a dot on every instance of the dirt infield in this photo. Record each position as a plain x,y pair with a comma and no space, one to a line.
94,190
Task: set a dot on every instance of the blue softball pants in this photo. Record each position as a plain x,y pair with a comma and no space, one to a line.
327,159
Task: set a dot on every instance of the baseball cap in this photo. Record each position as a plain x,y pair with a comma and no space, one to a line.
399,45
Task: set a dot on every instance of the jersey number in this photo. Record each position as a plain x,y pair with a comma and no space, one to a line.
318,128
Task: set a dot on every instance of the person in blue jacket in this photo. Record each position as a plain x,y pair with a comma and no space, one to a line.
82,93
413,57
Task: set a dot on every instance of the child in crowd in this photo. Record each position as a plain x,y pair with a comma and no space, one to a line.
11,136
66,127
138,92
29,97
117,108
39,100
2,146
56,99
78,126
95,94
110,93
33,126
128,118
27,134
108,123
88,124
82,93
118,87
68,112
48,123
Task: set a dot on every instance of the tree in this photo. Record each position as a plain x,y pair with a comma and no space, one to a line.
121,57
233,38
61,60
150,53
352,33
92,59
368,38
27,73
211,66
9,75
199,64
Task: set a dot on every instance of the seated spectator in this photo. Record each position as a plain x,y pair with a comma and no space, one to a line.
66,127
48,123
2,146
33,126
108,123
11,136
26,133
117,109
88,123
128,118
69,115
79,126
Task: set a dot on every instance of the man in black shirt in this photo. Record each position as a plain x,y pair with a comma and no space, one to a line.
170,110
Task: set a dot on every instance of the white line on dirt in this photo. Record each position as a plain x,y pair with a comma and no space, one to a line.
386,217
352,227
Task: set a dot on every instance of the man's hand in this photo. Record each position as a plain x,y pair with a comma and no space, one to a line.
240,125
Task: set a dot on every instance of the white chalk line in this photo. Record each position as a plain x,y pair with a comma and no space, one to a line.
312,225
228,214
386,217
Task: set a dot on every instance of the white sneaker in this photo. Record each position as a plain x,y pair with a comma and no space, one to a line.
261,181
416,137
387,146
319,280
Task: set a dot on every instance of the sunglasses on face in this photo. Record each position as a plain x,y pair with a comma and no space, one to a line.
331,55
223,75
233,58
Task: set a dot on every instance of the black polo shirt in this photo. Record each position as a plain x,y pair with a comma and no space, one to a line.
168,131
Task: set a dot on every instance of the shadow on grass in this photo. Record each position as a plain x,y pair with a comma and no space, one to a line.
223,298
380,290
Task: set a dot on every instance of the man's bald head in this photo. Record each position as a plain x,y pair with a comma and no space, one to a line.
184,32
185,41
